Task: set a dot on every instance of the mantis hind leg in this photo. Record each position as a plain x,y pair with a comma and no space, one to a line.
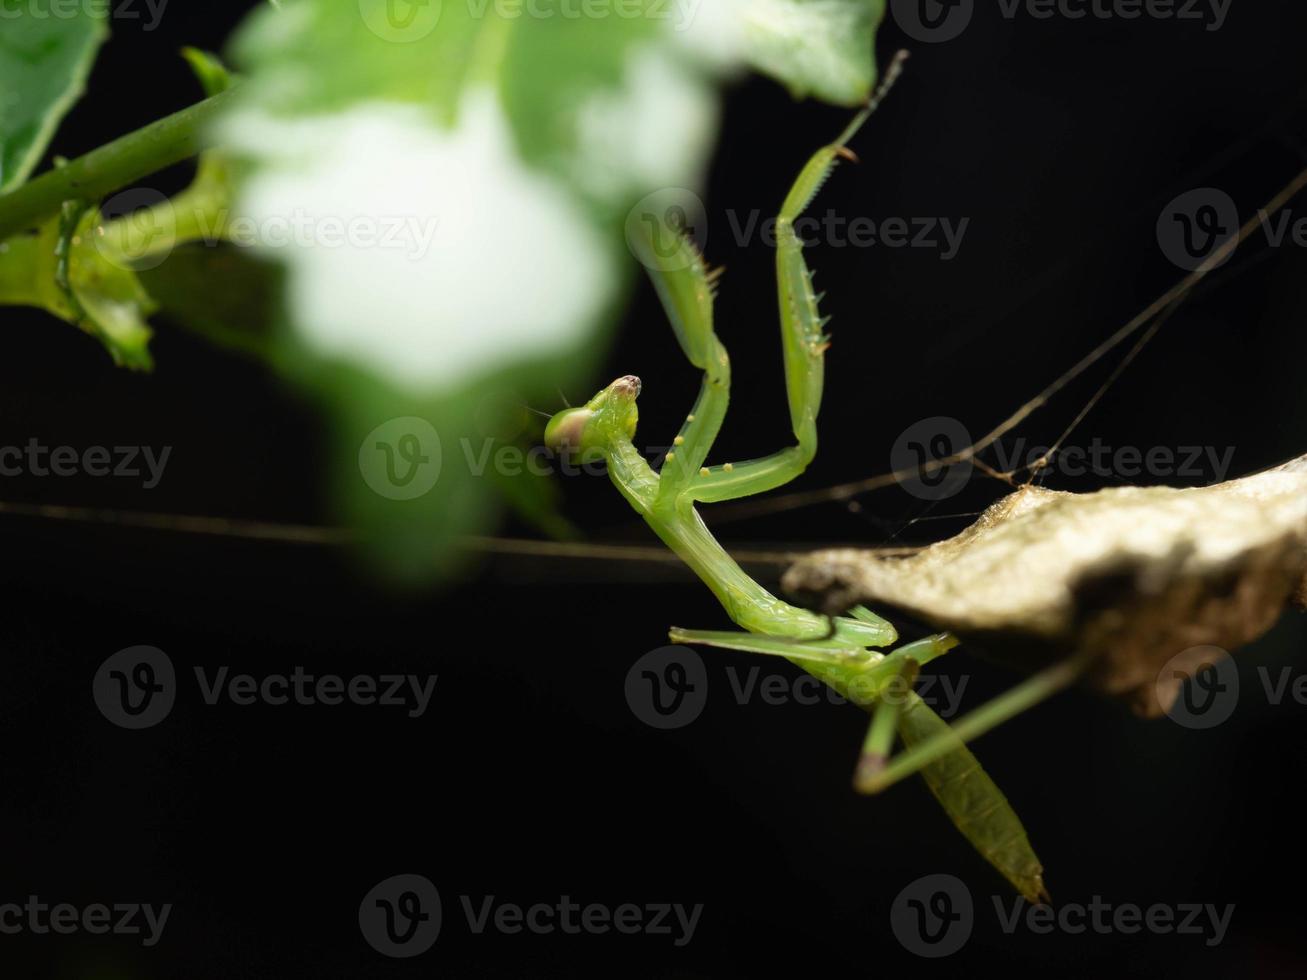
929,743
882,684
955,777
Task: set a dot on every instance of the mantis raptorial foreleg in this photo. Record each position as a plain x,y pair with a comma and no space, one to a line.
685,286
686,291
803,341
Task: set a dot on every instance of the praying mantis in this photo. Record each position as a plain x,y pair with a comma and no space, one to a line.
842,651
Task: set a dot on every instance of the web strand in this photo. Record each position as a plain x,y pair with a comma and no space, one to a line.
1163,305
1153,317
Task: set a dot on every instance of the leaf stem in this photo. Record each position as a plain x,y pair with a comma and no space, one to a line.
111,167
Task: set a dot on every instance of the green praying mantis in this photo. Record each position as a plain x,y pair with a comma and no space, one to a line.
842,651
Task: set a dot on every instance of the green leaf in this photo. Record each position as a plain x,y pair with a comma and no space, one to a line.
819,48
45,57
517,142
522,137
209,69
558,77
66,270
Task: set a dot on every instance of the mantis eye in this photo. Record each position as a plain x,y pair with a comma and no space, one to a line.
565,431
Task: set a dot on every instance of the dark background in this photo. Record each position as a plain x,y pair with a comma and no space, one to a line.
530,778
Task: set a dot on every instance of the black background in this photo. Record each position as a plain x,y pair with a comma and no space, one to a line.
530,778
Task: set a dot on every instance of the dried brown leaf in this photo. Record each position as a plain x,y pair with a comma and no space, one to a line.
1133,576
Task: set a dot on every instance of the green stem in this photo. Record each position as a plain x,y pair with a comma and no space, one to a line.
111,167
879,743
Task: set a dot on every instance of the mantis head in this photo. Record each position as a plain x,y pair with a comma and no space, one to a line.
606,418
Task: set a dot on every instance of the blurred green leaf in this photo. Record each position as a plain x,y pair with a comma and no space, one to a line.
220,292
45,57
519,136
508,137
508,142
819,48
